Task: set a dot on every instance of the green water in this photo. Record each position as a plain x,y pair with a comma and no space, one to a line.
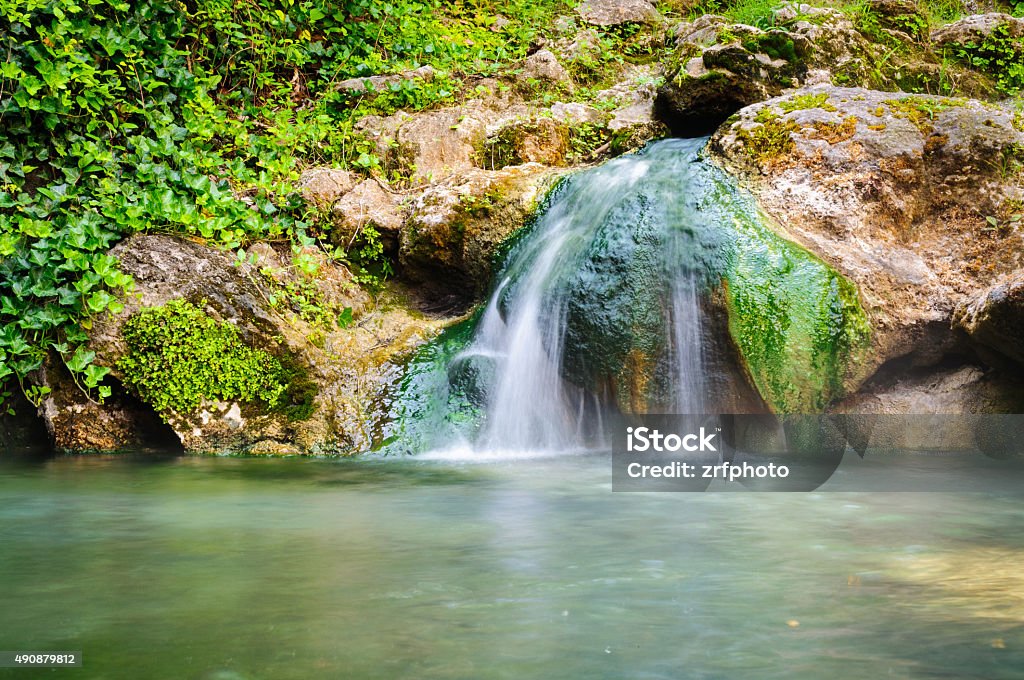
409,568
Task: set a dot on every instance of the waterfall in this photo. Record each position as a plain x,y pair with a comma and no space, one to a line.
530,404
636,291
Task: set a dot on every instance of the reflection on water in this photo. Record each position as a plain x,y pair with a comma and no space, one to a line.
234,568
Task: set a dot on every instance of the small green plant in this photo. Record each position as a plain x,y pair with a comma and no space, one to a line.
758,13
1000,56
178,357
1001,226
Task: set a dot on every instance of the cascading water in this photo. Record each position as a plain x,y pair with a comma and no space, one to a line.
601,308
530,404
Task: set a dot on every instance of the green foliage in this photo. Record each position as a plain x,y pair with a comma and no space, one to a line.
179,356
305,298
193,118
759,13
1000,56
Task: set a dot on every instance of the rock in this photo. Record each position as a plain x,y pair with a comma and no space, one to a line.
22,431
976,28
634,118
438,144
380,82
340,370
367,204
538,140
717,68
995,318
944,409
573,113
745,66
77,423
543,66
904,16
324,186
455,227
891,190
970,388
617,12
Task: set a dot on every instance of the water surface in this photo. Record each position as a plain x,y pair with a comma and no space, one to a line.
180,567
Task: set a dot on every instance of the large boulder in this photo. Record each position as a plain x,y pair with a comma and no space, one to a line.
304,322
894,191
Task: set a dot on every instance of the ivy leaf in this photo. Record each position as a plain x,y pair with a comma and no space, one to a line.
81,359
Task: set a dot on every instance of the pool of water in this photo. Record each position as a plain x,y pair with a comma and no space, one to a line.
221,568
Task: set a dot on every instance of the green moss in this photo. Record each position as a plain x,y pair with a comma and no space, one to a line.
797,323
178,356
801,102
921,111
776,44
769,140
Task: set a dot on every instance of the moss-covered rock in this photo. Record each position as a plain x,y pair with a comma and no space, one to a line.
234,356
908,196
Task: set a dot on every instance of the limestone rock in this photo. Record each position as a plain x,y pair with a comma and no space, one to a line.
976,28
76,423
945,409
717,67
543,66
344,367
324,186
456,226
367,204
573,113
440,143
536,140
715,76
616,12
995,318
891,190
